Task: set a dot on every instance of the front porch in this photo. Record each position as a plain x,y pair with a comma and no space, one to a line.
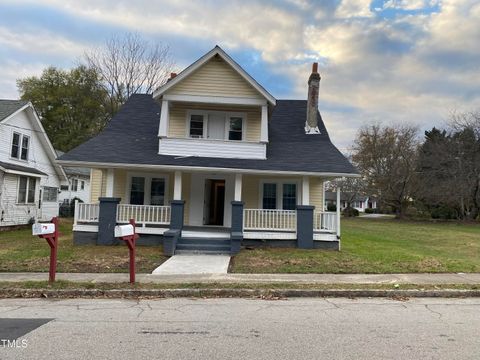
202,205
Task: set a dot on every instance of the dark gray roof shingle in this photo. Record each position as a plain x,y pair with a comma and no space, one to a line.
15,167
8,107
131,138
73,170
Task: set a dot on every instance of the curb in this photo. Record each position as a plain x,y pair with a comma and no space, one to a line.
227,293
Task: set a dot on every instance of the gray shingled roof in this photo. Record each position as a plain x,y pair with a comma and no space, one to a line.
8,107
131,138
15,167
73,170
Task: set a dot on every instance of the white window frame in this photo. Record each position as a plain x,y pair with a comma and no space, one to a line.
20,146
279,182
29,178
227,116
56,194
148,186
74,188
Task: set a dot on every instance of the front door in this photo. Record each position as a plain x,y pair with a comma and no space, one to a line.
214,202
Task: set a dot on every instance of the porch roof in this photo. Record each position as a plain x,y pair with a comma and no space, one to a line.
131,138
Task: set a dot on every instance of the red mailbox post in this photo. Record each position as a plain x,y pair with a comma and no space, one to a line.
49,232
127,233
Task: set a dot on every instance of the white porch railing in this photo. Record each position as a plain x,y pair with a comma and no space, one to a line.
263,219
143,214
324,220
86,212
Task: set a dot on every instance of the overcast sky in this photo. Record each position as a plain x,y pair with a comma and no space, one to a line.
392,61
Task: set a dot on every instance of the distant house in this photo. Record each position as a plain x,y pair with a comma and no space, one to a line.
212,154
29,176
77,185
357,201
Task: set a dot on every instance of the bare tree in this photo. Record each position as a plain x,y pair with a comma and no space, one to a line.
128,65
386,157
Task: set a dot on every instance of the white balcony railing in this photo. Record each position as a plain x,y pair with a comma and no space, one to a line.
86,212
143,214
325,220
269,220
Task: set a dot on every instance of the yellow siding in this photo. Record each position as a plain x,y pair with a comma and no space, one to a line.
120,185
215,78
186,180
178,118
316,193
95,185
250,188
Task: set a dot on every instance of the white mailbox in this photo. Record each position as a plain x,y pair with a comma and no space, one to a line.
43,228
123,230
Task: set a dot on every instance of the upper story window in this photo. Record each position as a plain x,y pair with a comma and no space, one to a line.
197,126
74,185
216,125
20,146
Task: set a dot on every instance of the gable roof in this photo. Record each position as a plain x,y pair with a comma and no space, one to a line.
217,50
130,140
8,107
73,170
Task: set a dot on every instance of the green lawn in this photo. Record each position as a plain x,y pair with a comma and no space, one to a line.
377,246
20,251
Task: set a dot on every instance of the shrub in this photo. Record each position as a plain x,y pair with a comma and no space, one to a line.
443,212
350,212
331,207
369,211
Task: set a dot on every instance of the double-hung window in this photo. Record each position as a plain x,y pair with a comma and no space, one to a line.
50,194
20,146
148,190
235,130
74,185
197,126
26,190
279,195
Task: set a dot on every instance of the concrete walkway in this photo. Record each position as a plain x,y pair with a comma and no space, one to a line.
194,264
420,279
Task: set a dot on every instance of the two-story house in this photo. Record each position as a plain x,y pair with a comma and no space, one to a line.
29,176
213,155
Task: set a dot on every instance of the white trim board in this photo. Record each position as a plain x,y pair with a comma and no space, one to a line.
107,165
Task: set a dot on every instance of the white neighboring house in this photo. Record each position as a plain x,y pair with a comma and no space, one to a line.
357,201
77,184
29,177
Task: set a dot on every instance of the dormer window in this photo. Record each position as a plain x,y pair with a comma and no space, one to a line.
20,146
216,125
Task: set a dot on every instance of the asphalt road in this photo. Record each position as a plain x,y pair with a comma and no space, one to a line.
241,329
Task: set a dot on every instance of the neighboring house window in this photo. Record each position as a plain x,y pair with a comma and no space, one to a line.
64,187
50,194
269,196
157,191
26,190
20,145
196,126
148,190
82,185
75,185
236,126
289,199
137,190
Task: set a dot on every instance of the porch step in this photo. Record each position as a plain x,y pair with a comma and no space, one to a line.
203,245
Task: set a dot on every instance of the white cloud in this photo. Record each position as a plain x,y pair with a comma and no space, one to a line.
354,8
409,4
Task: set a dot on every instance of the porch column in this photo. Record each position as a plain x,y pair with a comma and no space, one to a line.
236,231
177,188
107,219
305,226
264,124
306,190
109,182
238,187
338,212
164,119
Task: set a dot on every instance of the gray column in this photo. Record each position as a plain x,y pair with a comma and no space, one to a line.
236,231
176,218
305,226
107,219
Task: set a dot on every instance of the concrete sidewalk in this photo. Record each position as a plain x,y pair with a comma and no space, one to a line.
420,279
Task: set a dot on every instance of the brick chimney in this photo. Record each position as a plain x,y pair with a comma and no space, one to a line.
311,124
172,75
